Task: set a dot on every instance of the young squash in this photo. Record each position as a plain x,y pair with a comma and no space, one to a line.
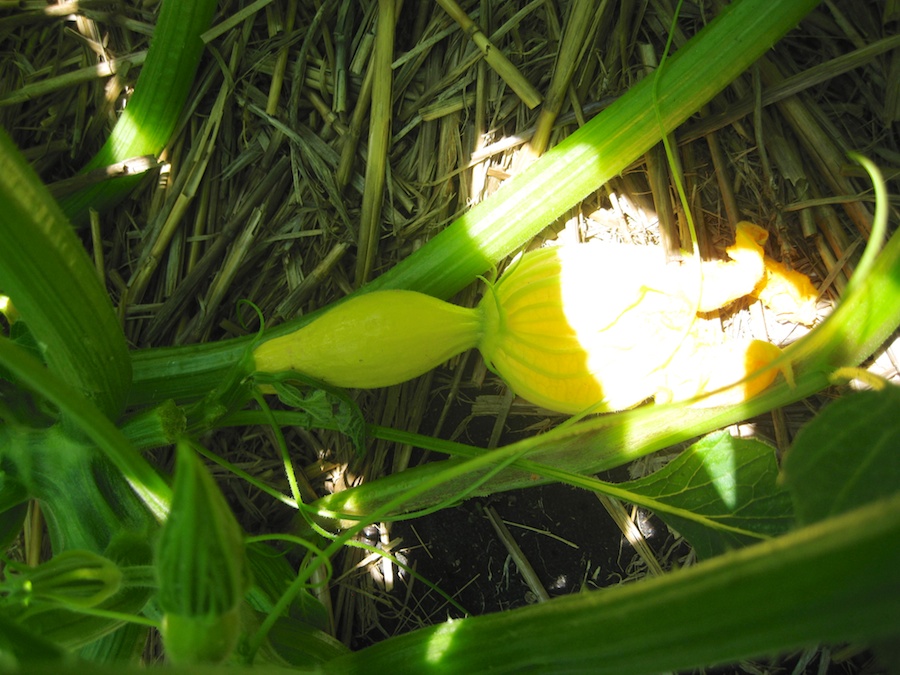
589,327
377,339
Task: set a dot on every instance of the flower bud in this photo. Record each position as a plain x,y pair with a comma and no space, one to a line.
79,578
201,567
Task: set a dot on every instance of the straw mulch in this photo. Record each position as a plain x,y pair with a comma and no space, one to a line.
294,188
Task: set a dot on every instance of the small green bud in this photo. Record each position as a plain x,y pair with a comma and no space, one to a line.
74,577
201,566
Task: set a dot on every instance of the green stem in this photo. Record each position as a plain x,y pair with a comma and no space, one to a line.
149,120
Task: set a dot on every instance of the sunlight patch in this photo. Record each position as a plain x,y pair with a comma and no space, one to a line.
440,641
722,470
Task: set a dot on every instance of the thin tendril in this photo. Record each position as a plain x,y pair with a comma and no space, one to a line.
879,224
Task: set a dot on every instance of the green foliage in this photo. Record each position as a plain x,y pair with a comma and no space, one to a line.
272,575
835,578
20,647
55,290
729,480
300,644
105,503
12,518
847,456
300,635
325,407
125,645
81,419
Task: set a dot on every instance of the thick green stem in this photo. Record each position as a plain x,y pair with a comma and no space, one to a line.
159,96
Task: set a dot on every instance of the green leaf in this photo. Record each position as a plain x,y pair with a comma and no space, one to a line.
126,644
846,456
12,492
272,575
300,644
22,646
12,519
329,408
87,502
53,285
20,334
87,418
729,480
18,406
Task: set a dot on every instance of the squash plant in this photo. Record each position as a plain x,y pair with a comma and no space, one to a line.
134,549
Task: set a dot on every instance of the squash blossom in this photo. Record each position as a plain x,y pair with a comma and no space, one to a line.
594,327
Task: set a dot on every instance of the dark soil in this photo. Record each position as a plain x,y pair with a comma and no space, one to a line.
571,543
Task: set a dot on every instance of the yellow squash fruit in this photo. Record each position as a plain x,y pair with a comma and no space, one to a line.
590,327
376,339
